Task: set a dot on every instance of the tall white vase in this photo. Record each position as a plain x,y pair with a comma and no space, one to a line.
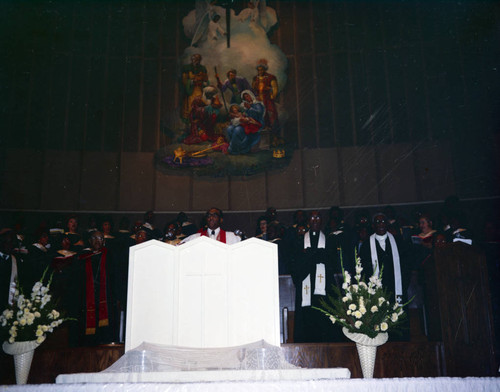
367,349
23,355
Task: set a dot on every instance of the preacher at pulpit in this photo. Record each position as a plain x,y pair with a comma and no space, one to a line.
214,218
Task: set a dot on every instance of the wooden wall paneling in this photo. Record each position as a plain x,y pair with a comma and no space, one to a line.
113,105
78,99
396,176
326,133
100,176
135,29
61,180
96,106
210,192
465,311
152,23
150,105
37,126
100,16
343,119
170,106
360,105
307,105
172,193
118,29
360,178
397,91
321,181
434,171
422,60
289,102
58,99
169,16
21,179
287,26
248,193
137,175
132,105
285,188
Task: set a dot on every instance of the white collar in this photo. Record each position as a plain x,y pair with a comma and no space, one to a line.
381,238
217,231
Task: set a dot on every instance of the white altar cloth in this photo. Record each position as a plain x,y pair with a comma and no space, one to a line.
440,384
299,374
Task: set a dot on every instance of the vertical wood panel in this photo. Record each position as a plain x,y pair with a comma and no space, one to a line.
99,181
55,137
113,105
39,103
324,105
96,106
77,109
307,109
342,93
132,96
150,105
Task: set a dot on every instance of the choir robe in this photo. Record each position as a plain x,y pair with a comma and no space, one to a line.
310,324
104,331
385,258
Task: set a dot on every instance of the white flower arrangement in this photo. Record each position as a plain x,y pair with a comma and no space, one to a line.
362,307
30,318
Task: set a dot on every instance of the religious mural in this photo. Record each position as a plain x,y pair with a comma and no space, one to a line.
230,118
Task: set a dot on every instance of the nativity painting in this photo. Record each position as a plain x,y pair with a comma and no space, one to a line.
231,77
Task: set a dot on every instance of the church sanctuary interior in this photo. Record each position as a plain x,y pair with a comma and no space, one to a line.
298,140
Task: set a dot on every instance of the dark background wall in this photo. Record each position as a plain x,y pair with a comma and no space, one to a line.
389,102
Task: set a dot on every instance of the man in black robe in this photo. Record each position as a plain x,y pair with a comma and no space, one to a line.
313,270
382,250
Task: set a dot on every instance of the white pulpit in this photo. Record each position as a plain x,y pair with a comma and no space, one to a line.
203,294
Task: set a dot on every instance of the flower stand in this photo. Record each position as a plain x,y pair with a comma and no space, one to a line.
367,349
23,355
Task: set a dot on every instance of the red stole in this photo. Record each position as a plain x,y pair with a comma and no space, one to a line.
221,237
90,321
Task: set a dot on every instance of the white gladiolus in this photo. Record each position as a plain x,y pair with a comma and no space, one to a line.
381,300
345,299
358,324
357,314
352,306
362,310
394,317
374,309
332,319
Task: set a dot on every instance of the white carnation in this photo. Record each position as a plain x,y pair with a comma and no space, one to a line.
358,324
374,309
384,326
